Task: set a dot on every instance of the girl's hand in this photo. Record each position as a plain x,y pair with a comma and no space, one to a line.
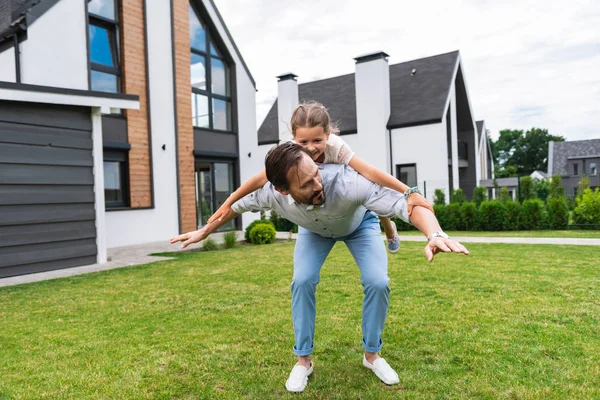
223,211
416,199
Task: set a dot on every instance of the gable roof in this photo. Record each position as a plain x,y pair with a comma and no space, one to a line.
479,129
20,14
417,99
562,151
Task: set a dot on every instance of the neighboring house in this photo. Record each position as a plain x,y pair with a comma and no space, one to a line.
100,145
571,160
485,157
413,119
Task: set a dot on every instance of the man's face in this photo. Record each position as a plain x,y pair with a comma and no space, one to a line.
306,183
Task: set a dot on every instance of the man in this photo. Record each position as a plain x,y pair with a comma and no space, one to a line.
330,203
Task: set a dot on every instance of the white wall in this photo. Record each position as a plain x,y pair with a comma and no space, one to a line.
426,147
161,223
7,65
55,52
454,135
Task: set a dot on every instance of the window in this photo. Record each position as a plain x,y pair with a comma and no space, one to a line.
105,71
210,79
575,169
116,190
407,174
593,169
214,183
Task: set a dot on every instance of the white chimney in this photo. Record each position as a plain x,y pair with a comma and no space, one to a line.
287,100
373,108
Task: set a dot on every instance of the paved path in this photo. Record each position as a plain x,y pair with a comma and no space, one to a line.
139,254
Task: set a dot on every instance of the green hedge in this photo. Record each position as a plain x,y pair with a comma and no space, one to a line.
492,215
558,213
531,215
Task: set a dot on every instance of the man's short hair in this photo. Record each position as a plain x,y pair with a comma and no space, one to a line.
280,159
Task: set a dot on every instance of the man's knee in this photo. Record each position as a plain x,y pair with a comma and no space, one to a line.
305,280
378,283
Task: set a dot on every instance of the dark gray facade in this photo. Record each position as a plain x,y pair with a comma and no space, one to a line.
571,160
47,215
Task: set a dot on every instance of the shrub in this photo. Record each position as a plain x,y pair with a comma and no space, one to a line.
209,244
457,196
453,217
441,214
542,189
513,208
583,184
505,195
281,224
558,213
262,234
439,198
587,210
492,215
469,216
479,195
253,224
527,191
531,215
230,239
556,188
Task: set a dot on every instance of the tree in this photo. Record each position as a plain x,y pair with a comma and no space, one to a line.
457,196
518,153
542,189
479,195
439,198
556,187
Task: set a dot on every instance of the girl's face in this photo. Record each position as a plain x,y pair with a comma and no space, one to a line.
314,140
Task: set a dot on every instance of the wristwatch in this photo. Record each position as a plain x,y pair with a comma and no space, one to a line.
437,234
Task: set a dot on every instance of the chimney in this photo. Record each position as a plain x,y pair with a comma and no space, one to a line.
372,82
287,100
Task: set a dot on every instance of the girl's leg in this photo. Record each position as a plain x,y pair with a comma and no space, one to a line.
390,231
393,241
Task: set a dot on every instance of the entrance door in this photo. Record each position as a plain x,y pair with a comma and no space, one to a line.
214,184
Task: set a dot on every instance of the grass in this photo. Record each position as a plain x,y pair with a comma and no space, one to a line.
507,322
590,234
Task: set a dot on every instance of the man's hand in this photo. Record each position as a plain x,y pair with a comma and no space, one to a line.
439,244
416,199
190,237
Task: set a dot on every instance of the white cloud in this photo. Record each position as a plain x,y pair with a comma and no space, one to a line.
526,63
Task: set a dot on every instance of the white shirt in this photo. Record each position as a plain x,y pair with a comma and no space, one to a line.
348,195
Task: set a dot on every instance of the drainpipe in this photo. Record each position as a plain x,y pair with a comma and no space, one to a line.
17,58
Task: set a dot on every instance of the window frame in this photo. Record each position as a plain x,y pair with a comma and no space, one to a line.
211,161
575,169
398,173
208,56
122,157
112,27
593,169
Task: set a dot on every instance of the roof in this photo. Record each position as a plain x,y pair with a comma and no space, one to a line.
19,14
577,148
500,182
479,128
416,99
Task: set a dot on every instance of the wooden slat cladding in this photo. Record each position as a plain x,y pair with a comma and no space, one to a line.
47,213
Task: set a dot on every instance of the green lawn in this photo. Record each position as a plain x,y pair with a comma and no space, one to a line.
506,322
535,234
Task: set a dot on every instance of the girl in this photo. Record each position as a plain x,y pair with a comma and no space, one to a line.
312,129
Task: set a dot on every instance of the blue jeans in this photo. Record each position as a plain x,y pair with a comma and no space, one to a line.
368,250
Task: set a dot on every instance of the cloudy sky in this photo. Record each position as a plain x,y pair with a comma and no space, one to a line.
526,63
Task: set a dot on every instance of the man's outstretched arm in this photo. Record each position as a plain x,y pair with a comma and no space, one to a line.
199,235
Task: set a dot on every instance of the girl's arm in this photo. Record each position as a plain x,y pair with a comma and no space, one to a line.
375,175
251,185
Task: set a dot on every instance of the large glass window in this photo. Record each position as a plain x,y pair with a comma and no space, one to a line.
214,184
116,190
407,174
575,169
210,79
104,46
593,169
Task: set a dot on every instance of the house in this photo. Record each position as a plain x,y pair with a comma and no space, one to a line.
120,123
571,160
413,120
485,157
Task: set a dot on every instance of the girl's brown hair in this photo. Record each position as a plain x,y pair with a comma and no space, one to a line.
311,114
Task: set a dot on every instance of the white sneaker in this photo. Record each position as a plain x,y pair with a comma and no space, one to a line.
298,378
382,369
